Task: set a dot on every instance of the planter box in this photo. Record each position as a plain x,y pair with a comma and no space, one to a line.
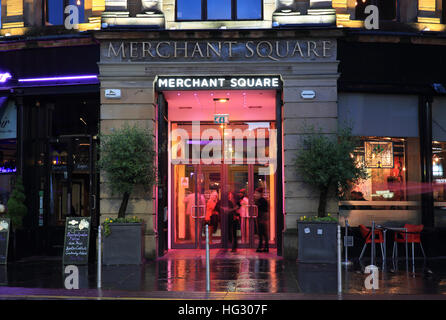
124,245
317,242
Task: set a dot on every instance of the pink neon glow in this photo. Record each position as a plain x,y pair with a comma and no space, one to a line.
59,78
4,77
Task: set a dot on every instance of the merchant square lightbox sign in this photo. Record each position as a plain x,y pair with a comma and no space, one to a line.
218,82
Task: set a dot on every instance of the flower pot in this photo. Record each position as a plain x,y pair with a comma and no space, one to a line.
124,245
317,242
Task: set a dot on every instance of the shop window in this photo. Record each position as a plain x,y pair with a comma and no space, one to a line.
55,11
388,166
387,9
219,10
439,170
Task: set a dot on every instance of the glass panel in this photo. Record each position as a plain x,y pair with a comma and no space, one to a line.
184,204
264,180
238,187
189,10
249,9
219,10
439,170
221,182
211,187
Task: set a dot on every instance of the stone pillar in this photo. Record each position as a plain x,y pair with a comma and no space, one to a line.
299,113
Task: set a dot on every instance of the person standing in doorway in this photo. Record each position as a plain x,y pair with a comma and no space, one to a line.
234,219
212,214
262,220
243,212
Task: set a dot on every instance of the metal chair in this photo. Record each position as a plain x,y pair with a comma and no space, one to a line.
367,235
413,235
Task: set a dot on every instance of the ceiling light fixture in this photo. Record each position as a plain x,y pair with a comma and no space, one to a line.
221,100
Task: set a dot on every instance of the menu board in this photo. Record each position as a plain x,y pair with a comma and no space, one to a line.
77,238
4,239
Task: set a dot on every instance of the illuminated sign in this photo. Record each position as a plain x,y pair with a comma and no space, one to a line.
221,118
229,82
5,77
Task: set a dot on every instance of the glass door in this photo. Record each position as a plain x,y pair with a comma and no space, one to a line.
220,194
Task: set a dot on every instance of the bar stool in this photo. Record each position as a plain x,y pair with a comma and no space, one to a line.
367,235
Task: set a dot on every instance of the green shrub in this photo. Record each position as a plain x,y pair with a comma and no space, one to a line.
127,157
326,163
16,208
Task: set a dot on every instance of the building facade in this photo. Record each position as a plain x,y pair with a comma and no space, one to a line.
195,70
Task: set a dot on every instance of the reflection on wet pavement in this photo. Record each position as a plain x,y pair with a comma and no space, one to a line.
244,271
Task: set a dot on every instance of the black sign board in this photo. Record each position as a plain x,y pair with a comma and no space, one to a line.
4,239
77,239
218,82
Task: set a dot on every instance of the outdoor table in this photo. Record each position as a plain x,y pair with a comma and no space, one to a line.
384,229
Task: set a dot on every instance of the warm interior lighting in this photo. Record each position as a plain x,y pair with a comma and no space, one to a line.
78,2
221,100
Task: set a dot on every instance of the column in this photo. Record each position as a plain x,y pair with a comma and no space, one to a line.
425,132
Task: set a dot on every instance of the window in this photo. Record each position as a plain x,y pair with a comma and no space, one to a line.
388,162
219,10
55,11
387,9
8,147
439,170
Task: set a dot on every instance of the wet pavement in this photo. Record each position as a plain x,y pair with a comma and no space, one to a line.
243,275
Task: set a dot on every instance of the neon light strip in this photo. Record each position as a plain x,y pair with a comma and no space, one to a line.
4,77
58,78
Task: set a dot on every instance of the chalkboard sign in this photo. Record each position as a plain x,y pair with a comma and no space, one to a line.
77,239
4,240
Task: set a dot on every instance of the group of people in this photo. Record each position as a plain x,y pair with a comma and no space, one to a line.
236,208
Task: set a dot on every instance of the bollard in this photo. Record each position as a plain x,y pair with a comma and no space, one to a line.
208,274
339,261
373,244
99,257
346,244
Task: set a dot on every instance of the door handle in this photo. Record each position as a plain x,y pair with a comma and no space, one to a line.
255,210
201,213
93,196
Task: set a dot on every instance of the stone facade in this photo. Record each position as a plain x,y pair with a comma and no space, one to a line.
136,81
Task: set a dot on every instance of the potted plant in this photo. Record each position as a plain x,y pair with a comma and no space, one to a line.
127,159
16,210
325,163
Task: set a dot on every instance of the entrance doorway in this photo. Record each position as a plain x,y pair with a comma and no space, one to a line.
201,190
213,166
